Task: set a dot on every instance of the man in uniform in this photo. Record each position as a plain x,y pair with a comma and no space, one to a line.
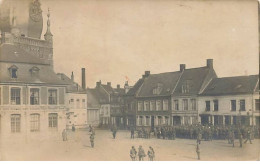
64,135
248,137
133,153
132,132
92,140
151,154
141,153
73,128
114,130
240,137
232,138
198,151
199,137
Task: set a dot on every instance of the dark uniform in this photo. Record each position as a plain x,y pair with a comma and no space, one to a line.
64,135
198,151
240,137
132,132
199,138
133,153
248,137
114,130
73,128
141,153
92,140
151,154
232,138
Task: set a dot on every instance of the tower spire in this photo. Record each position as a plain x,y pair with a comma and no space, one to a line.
48,35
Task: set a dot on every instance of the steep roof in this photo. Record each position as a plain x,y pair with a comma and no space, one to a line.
108,88
14,54
100,96
231,85
132,91
166,81
194,77
73,86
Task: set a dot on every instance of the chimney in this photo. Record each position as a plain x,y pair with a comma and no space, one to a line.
210,63
83,85
72,76
109,84
147,73
118,86
182,67
126,87
98,83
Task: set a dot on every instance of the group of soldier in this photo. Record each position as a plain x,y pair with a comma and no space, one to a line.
141,153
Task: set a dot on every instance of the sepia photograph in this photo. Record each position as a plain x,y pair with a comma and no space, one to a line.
131,80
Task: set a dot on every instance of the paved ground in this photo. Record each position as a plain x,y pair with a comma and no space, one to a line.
107,149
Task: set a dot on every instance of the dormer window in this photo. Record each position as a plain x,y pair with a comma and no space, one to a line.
158,89
34,71
13,71
186,86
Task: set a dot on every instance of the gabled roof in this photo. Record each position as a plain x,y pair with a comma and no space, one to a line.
108,88
195,77
14,54
132,91
166,81
119,91
100,96
73,87
231,85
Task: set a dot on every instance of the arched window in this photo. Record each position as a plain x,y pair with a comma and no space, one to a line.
13,71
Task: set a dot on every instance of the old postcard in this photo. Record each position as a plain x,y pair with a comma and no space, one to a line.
132,80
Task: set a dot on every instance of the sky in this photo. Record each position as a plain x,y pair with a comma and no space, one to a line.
116,39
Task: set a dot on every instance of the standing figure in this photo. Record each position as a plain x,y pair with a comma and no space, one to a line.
151,154
73,128
114,130
198,151
248,137
240,137
132,132
133,153
92,140
232,138
141,153
64,135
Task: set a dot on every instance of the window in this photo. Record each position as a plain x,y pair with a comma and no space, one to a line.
147,120
207,105
13,71
35,122
186,86
257,103
141,120
185,104
146,105
186,120
52,95
152,105
34,96
140,106
165,105
15,96
83,103
215,105
34,71
160,120
233,105
53,120
176,104
193,104
158,89
158,105
15,123
242,105
77,104
167,122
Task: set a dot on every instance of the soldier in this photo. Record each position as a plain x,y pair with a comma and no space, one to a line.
73,128
232,138
132,132
248,137
133,153
240,137
114,130
151,154
198,151
64,135
92,140
141,153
